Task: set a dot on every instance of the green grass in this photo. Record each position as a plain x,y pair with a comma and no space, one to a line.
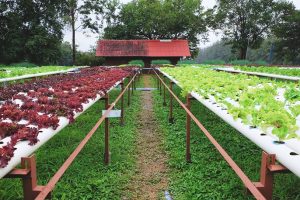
209,176
87,177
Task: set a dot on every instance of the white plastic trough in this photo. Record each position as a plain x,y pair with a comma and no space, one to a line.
25,150
39,74
283,77
284,152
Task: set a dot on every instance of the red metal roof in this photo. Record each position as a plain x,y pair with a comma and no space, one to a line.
143,48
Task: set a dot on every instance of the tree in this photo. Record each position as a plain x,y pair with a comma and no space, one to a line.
89,14
30,30
159,19
288,43
245,23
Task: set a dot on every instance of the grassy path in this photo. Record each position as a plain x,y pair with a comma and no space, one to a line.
150,180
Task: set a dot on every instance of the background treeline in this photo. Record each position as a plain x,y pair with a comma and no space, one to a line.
32,30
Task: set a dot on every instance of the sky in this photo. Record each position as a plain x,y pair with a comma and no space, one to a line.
88,39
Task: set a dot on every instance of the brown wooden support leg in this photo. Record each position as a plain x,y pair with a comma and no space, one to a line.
132,87
267,171
188,131
128,100
122,105
29,178
164,103
106,137
171,118
160,90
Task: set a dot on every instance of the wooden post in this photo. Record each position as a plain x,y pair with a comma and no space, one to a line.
188,131
122,105
106,137
171,119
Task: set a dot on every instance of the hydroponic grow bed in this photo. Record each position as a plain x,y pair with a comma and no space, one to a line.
285,146
48,110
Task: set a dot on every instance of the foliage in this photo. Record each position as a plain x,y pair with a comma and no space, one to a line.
245,23
214,62
88,59
188,62
31,31
13,71
167,19
288,43
271,70
23,64
160,62
260,63
255,101
82,12
240,62
137,62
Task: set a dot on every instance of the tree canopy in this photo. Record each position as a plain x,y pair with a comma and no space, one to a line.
156,19
246,23
30,30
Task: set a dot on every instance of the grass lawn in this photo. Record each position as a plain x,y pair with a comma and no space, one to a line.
209,176
87,177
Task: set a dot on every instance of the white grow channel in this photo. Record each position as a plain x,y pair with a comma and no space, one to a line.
25,150
287,154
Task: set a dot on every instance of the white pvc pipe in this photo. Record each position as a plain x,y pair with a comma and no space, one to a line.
291,78
25,150
39,74
265,142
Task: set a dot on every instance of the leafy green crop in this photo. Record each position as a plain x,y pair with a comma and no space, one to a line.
271,70
10,71
257,102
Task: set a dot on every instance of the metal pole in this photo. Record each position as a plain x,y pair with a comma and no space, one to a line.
188,130
122,105
106,139
171,119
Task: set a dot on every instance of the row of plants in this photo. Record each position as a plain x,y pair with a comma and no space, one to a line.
28,108
87,177
208,176
257,102
271,70
13,71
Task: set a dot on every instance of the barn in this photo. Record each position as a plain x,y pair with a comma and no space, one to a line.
117,52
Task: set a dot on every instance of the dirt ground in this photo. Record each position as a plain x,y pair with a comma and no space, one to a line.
150,180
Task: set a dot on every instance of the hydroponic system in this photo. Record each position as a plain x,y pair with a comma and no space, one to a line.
265,110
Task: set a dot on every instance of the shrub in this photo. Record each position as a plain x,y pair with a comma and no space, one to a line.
160,62
137,62
23,64
260,63
214,62
240,62
186,62
88,59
